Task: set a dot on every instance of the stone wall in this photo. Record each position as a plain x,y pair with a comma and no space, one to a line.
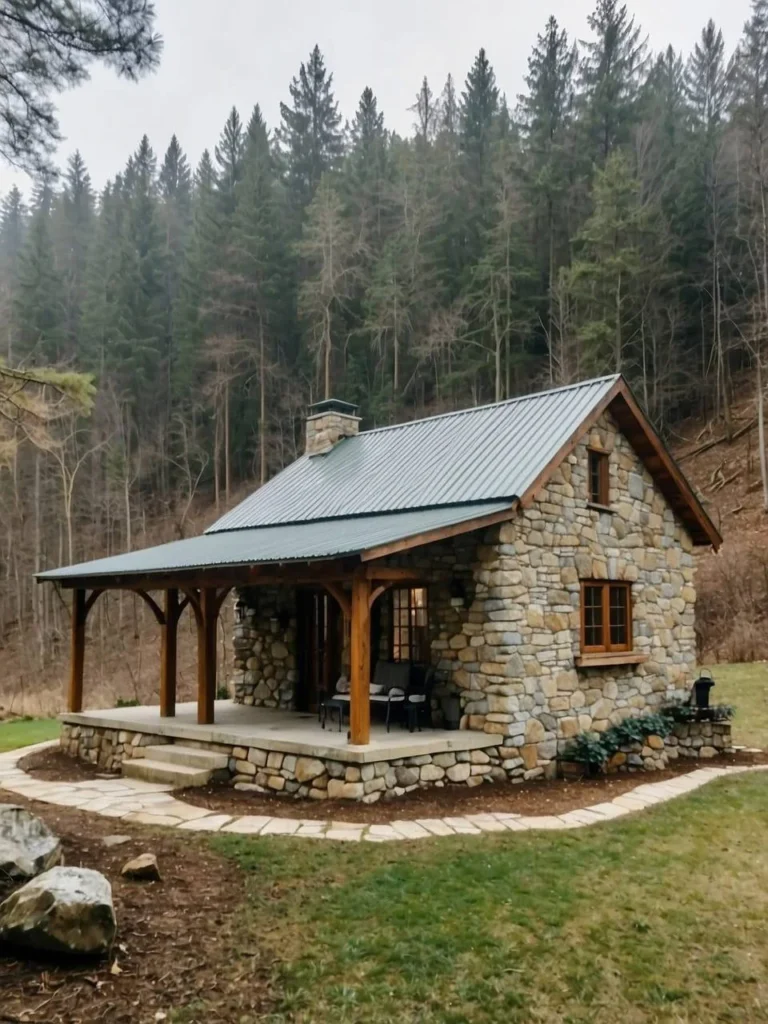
325,429
254,769
512,653
107,748
266,669
258,770
700,740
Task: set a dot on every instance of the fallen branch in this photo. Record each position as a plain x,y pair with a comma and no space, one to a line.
717,440
733,511
723,481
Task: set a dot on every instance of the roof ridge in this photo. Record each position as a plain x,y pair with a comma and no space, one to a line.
492,405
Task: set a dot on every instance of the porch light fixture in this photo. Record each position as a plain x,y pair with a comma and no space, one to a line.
458,594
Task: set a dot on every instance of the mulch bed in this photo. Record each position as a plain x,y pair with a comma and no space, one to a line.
539,797
530,798
176,940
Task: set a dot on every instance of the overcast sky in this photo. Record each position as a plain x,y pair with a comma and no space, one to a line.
224,52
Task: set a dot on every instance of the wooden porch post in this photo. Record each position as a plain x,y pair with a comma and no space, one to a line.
206,655
77,657
168,654
360,658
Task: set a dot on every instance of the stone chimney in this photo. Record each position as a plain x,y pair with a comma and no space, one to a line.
328,422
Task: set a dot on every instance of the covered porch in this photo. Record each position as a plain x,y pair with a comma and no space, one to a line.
347,559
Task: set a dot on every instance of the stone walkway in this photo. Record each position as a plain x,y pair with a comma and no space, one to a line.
146,803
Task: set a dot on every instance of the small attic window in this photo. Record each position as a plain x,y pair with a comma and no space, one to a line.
598,477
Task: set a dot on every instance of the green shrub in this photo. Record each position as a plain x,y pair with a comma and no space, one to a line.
594,749
684,712
131,702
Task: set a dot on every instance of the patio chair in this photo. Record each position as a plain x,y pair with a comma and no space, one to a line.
419,697
390,686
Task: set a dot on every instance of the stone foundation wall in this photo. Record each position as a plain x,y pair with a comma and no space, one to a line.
651,756
258,770
700,740
107,748
263,771
265,648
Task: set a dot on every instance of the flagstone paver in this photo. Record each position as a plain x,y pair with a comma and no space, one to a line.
152,803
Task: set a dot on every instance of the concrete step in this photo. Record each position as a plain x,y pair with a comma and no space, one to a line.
176,775
190,757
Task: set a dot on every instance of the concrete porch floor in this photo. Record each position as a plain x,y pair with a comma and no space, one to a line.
291,732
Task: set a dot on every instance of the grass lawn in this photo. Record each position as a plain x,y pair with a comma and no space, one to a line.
661,917
24,731
745,686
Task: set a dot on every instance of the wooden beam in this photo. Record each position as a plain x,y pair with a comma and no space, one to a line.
77,653
342,598
206,655
586,424
92,599
389,572
376,593
663,467
360,661
441,533
154,607
269,574
168,639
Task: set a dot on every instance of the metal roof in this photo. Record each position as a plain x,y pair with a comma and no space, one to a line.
481,454
295,542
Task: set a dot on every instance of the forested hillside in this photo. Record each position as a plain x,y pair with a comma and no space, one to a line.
612,217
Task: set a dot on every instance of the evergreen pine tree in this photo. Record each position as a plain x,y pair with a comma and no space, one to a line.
229,157
40,313
310,133
546,117
611,72
479,131
73,225
13,224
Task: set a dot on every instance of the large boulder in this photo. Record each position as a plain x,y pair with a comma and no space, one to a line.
64,910
27,845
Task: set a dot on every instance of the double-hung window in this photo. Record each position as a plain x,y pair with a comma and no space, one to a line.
598,480
606,617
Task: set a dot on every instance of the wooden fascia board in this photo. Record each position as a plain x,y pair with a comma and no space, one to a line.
658,459
565,449
440,533
267,574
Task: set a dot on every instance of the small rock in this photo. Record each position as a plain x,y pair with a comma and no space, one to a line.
27,845
64,910
142,868
109,841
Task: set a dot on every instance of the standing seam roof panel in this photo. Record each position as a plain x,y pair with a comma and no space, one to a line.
474,455
292,542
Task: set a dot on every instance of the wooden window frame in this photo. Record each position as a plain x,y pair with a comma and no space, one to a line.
606,648
603,497
396,642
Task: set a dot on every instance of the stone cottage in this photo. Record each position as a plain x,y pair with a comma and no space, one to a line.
535,555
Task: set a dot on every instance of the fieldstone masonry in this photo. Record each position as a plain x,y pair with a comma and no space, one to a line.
514,659
265,648
504,615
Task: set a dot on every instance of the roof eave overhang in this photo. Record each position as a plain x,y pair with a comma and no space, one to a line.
636,427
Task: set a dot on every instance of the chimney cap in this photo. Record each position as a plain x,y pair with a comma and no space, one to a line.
333,405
